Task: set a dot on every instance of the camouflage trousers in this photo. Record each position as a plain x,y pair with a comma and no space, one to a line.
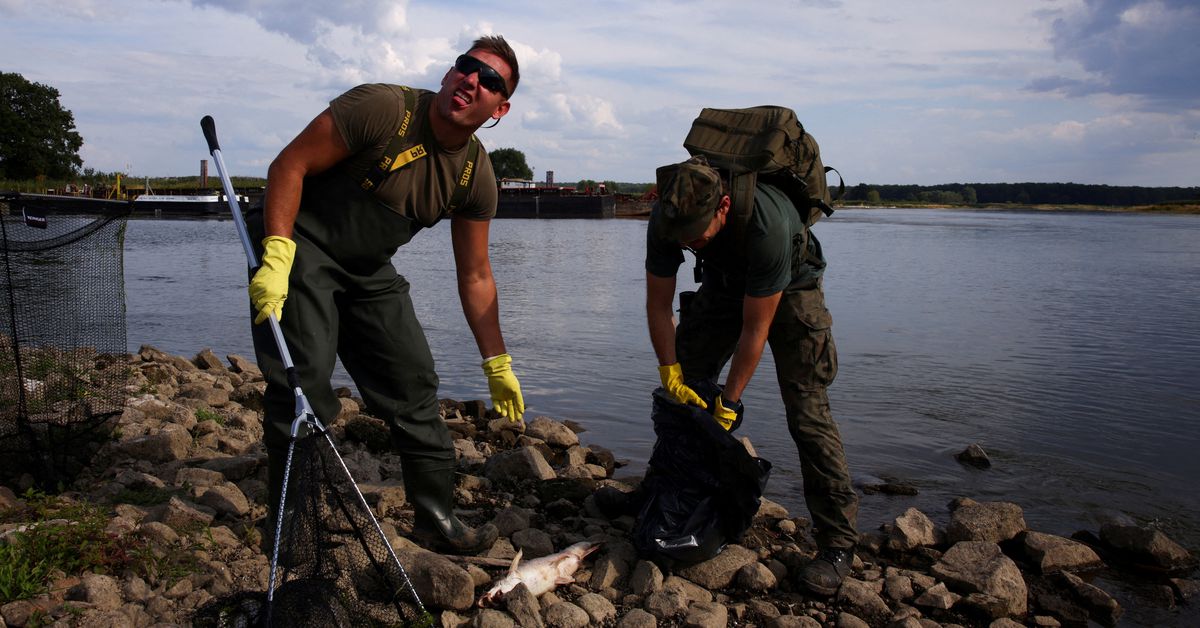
806,364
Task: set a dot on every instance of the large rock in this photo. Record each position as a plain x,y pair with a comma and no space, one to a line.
551,431
980,567
1144,546
515,465
1052,554
911,530
994,522
718,572
439,582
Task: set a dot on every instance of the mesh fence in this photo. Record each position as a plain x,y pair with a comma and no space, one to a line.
335,566
63,368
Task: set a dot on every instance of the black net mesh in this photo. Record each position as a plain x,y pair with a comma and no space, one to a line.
335,566
63,369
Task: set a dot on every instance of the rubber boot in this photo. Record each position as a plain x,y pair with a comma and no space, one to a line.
430,489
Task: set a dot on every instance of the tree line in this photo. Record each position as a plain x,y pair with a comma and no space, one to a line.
1021,194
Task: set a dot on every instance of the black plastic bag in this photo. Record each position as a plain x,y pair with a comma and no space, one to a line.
702,487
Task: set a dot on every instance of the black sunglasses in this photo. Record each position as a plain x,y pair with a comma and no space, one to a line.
488,76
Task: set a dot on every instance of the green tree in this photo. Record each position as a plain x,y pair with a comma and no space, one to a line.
509,163
39,136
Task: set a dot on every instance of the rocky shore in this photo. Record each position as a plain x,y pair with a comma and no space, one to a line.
188,446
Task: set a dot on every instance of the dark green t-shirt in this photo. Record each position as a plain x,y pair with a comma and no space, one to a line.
771,260
368,116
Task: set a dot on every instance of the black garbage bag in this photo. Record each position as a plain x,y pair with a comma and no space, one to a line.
702,487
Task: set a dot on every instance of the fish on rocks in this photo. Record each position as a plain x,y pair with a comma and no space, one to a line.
540,574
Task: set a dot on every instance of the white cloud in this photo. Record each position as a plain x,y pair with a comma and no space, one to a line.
919,92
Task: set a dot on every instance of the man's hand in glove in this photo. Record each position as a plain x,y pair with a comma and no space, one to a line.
506,391
672,379
269,287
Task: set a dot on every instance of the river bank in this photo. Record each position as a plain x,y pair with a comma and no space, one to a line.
184,480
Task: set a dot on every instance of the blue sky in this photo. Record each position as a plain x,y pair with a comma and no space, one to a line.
919,91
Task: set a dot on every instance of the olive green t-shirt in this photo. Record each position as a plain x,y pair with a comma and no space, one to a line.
368,116
771,259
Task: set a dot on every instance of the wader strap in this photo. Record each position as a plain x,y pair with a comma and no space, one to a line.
464,179
399,154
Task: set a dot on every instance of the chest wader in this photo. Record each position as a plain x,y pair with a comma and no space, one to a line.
346,300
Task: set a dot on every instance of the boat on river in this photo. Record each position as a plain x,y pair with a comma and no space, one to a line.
185,204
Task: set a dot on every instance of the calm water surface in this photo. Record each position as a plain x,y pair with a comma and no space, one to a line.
1066,344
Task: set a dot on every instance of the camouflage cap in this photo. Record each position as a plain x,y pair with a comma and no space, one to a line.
688,195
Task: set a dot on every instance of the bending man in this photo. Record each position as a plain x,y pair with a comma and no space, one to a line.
378,165
764,288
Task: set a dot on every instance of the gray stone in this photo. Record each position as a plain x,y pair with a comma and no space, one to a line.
533,542
553,432
994,522
1053,553
598,608
523,606
566,615
756,577
937,596
665,604
103,592
1145,546
646,579
514,465
512,519
637,618
489,618
978,566
846,620
912,529
227,500
439,582
862,598
974,456
718,572
706,615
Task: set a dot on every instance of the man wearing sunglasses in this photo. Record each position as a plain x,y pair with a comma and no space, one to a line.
378,165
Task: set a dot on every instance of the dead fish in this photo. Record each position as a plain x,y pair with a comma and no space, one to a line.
540,574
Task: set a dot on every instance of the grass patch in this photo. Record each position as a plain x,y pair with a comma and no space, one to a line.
204,414
65,537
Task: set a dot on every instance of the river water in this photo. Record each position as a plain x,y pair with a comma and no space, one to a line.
1067,344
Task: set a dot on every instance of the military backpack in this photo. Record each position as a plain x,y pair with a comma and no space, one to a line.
768,144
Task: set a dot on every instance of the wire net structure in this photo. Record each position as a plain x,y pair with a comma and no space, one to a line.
63,363
335,566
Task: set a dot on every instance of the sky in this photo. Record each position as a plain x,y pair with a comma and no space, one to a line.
896,92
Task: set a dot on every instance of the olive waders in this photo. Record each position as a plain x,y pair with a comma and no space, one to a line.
346,300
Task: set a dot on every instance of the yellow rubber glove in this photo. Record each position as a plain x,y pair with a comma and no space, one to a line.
672,379
269,287
726,413
505,389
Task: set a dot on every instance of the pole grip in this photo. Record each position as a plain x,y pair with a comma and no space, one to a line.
210,133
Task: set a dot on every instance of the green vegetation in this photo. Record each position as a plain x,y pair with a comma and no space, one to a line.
66,537
39,135
63,537
1020,194
509,163
204,414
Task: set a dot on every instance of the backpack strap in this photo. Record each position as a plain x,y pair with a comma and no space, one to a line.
400,152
